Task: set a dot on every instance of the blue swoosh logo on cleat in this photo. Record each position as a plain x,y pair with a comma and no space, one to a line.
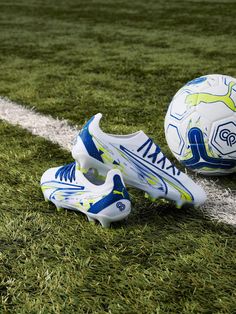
65,188
137,161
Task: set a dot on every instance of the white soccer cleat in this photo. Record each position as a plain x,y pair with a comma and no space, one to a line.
67,187
141,161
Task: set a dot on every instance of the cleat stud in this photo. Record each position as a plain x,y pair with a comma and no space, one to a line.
178,205
59,208
91,220
104,222
45,198
151,198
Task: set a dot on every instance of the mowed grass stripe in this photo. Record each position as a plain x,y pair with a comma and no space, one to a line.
161,260
220,204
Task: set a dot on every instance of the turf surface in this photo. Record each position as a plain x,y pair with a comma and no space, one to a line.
126,59
161,260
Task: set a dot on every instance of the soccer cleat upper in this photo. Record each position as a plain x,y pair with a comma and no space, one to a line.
67,187
141,161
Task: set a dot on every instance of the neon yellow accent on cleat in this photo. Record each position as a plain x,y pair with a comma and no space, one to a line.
151,198
84,170
119,192
121,153
60,197
108,157
185,196
45,187
194,99
86,204
152,180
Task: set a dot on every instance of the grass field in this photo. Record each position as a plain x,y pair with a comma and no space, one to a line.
126,59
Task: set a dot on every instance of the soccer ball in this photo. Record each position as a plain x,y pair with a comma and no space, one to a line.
200,124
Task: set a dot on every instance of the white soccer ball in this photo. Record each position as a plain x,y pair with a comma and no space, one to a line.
200,124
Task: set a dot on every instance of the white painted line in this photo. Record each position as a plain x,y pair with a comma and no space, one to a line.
221,203
55,130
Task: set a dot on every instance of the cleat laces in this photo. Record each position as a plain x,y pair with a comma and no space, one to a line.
162,161
66,172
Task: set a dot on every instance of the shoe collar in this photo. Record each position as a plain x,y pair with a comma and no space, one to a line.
95,129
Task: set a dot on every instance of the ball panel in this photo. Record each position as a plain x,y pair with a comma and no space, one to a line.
200,124
174,139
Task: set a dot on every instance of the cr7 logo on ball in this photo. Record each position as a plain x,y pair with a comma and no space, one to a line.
228,136
224,138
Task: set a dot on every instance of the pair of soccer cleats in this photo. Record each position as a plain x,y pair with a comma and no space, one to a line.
132,159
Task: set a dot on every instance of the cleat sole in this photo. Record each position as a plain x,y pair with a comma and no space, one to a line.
178,204
105,221
58,207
